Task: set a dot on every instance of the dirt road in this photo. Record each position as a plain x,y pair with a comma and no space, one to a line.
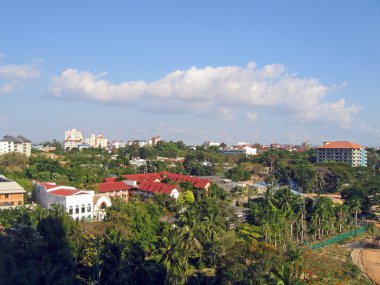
369,262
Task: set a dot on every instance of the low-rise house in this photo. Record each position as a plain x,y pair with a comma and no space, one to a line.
261,187
211,143
137,162
242,214
11,193
239,150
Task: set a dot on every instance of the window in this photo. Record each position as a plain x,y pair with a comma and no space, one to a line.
76,209
89,217
103,206
83,209
88,207
71,210
6,195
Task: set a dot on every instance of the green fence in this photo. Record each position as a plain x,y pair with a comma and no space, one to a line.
338,238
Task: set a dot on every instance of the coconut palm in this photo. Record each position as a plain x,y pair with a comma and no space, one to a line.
172,256
112,258
355,206
341,212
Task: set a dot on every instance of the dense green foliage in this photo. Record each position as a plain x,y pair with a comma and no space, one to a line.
189,241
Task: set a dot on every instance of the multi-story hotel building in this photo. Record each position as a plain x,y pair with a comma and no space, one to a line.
342,151
15,144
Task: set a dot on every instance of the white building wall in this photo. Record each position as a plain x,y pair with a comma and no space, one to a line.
100,213
239,151
78,202
45,200
4,147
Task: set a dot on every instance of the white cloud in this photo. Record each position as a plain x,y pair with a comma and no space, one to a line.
252,117
228,89
14,77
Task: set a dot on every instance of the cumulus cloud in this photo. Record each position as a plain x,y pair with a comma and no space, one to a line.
14,77
229,89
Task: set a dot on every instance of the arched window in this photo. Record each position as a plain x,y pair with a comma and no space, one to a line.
103,206
76,209
83,209
88,207
71,210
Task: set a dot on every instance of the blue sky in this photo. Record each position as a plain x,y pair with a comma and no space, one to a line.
256,71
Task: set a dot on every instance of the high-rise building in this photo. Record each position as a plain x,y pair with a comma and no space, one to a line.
342,151
154,140
73,138
97,141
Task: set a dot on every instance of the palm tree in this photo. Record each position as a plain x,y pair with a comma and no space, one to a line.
323,213
341,212
172,257
57,210
355,206
112,257
37,215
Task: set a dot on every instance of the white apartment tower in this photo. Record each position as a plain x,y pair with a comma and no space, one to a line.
73,138
97,141
15,144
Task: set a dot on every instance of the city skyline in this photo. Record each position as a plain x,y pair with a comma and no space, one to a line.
258,71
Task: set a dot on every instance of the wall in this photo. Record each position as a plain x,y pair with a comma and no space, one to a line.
13,199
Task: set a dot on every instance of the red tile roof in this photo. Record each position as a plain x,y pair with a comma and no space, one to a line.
65,192
156,187
110,179
112,186
48,185
150,177
61,190
341,144
197,182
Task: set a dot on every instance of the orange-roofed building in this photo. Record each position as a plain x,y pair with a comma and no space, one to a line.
115,189
342,151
